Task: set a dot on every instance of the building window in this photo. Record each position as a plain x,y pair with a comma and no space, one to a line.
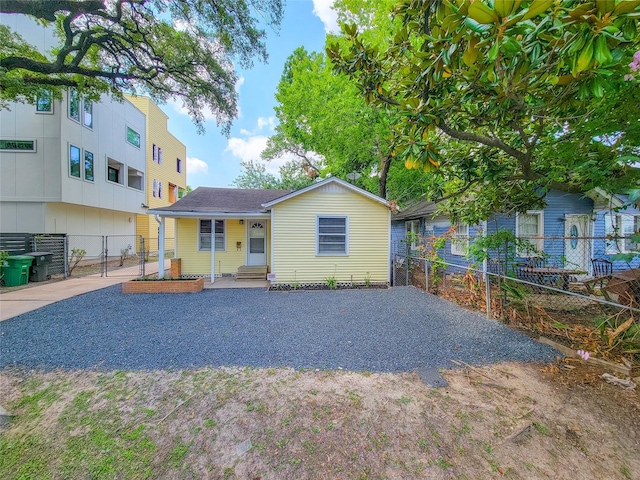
74,161
88,166
412,233
332,235
618,230
460,240
530,227
18,145
173,193
178,165
115,171
133,137
155,153
205,235
159,156
74,105
87,117
135,178
155,188
44,102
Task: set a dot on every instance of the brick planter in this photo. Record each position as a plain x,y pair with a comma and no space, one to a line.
164,286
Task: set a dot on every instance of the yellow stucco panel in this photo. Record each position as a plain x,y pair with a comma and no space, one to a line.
295,258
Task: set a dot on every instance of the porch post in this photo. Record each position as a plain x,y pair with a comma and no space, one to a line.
213,250
161,249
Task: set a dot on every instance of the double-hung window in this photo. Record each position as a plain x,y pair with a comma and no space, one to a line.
204,234
530,227
332,235
460,240
412,233
618,230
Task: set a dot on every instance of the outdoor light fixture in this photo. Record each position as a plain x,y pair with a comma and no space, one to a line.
241,222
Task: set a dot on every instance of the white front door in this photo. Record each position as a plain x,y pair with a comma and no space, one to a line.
577,245
257,254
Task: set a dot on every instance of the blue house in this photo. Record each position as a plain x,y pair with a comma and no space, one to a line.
571,230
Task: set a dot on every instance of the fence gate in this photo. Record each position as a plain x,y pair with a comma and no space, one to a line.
56,244
124,255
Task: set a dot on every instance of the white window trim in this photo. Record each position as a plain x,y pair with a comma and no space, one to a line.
408,226
80,162
213,235
121,171
84,166
620,244
10,150
84,124
79,119
126,136
538,243
460,241
346,237
45,112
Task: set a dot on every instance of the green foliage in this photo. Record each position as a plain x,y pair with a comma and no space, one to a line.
255,175
331,130
501,101
332,282
77,254
183,50
502,245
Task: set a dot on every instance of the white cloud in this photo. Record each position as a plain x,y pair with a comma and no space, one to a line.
267,122
246,149
181,109
239,83
244,131
195,165
323,9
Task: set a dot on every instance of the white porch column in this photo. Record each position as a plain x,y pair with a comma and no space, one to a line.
213,250
161,249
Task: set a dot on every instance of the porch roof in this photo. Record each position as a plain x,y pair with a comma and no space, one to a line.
220,202
422,208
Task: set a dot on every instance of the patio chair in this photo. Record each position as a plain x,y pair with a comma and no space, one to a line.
602,268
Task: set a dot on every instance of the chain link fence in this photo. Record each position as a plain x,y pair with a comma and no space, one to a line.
559,292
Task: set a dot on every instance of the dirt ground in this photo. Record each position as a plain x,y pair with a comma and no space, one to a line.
502,421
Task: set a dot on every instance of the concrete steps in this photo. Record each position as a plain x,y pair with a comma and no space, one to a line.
252,273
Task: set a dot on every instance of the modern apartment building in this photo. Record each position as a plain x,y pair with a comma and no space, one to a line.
166,172
70,166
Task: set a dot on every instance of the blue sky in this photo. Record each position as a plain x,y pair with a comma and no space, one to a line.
214,160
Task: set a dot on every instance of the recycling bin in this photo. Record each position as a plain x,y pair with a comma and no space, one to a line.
39,271
17,271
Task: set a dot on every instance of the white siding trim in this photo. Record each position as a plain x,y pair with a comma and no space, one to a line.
271,249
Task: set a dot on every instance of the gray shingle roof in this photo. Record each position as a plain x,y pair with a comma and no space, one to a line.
423,208
224,200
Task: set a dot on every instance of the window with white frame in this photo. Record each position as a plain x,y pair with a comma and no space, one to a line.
618,229
74,105
135,178
87,114
133,137
159,156
460,240
412,233
530,227
204,234
88,166
74,161
332,235
155,153
44,102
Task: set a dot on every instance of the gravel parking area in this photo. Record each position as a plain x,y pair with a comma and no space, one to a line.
399,329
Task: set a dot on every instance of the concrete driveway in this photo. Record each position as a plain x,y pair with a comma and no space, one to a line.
398,329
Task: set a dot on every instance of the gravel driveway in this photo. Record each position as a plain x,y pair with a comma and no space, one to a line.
398,329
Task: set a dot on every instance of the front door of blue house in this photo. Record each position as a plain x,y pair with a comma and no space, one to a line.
257,253
577,244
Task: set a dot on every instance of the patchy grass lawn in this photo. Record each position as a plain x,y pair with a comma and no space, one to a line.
505,421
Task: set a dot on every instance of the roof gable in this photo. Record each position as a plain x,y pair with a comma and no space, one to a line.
329,185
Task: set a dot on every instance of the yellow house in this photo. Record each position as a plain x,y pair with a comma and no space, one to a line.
328,230
166,177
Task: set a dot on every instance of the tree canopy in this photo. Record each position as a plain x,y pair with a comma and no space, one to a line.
500,100
255,175
167,49
330,129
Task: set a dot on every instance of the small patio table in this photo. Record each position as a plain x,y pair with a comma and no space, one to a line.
545,274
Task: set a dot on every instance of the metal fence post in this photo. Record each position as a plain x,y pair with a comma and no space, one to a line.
105,251
487,283
142,245
426,276
406,265
66,256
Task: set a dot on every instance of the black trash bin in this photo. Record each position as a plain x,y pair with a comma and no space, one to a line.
39,271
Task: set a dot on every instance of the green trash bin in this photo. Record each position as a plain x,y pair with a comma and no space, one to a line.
17,272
